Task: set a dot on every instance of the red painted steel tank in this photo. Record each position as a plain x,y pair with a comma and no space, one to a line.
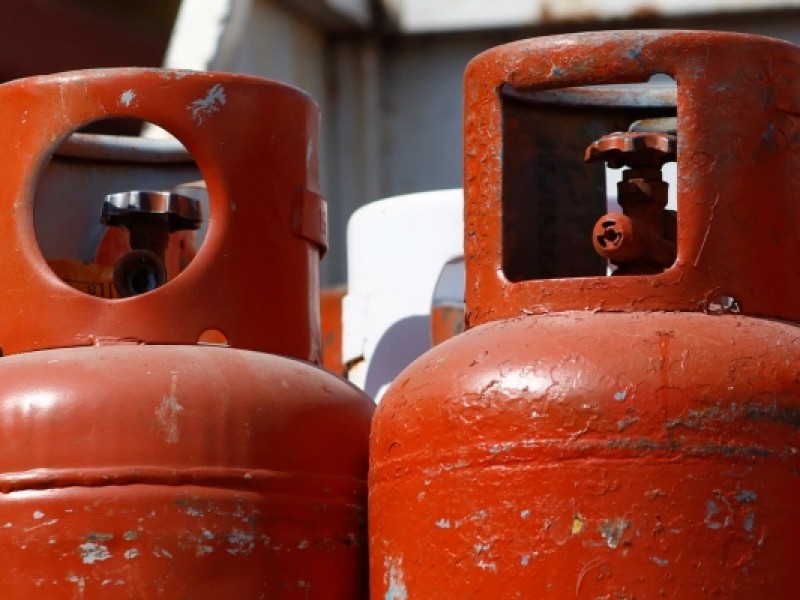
592,436
135,463
331,327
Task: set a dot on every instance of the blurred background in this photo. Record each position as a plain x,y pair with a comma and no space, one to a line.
387,74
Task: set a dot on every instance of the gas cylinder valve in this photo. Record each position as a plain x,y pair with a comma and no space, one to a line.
643,238
150,217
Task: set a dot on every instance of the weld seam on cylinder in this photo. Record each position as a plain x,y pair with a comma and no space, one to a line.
223,478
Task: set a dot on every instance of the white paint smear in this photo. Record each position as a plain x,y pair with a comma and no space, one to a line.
203,107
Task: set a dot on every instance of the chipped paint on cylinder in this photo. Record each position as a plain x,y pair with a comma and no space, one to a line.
572,469
252,139
251,488
135,463
610,437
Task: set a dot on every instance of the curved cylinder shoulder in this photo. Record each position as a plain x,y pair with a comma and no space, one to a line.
644,444
168,405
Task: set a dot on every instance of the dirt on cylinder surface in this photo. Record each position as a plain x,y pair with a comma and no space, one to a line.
540,457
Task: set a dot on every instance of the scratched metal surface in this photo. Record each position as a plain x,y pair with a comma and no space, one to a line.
132,471
581,455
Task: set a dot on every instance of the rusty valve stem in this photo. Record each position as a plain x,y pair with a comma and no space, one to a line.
149,217
643,238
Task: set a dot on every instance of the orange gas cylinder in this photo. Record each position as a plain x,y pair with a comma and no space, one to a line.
331,326
135,463
625,436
